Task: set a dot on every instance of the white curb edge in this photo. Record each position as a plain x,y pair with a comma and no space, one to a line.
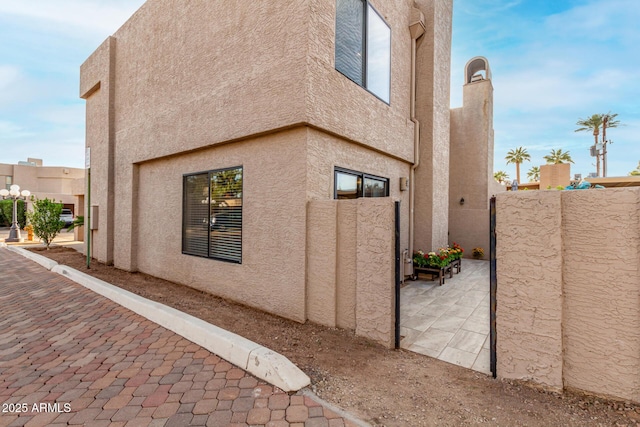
258,360
254,358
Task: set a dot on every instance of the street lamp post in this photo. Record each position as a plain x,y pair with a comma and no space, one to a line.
15,194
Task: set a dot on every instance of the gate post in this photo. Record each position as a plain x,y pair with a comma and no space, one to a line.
493,286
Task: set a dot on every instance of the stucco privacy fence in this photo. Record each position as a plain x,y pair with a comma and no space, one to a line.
568,294
350,266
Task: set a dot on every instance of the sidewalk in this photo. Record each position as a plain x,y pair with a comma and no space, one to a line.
64,238
71,357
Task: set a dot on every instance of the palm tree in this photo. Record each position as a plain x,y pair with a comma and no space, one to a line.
534,173
517,156
501,177
608,121
592,124
558,156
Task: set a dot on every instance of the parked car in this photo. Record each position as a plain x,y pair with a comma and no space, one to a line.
67,217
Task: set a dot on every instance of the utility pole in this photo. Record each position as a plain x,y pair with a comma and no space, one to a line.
605,119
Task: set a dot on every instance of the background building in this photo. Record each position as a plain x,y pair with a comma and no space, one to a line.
58,183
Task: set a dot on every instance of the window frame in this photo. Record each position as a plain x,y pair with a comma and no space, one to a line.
367,7
209,174
363,176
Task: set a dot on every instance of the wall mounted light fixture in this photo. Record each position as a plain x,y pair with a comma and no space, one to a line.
462,200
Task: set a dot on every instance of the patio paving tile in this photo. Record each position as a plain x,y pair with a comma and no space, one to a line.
459,334
62,344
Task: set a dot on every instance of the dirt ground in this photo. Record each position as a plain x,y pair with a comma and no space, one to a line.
383,387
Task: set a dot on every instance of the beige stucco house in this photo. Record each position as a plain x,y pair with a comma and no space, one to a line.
59,183
222,137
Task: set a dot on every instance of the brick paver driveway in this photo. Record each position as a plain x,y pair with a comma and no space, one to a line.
69,356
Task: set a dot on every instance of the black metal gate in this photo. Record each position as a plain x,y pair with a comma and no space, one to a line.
398,278
493,285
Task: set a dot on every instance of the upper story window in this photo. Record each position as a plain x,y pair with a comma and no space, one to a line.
212,214
363,46
352,185
8,182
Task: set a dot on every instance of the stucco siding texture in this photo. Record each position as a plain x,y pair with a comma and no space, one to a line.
470,167
601,286
568,303
529,293
350,266
555,175
321,262
432,110
272,274
326,152
331,95
346,265
95,87
375,297
212,72
470,229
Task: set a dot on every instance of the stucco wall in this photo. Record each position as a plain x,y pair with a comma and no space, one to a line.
350,266
190,86
601,278
432,110
325,152
96,87
331,95
272,274
53,182
471,167
178,89
555,175
568,305
529,296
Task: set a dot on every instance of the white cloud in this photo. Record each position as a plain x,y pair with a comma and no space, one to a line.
73,16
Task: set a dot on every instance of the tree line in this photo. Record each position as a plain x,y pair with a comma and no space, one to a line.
592,124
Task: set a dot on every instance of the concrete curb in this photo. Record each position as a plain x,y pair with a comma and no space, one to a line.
265,364
347,416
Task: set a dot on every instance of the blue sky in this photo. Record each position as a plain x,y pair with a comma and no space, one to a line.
553,62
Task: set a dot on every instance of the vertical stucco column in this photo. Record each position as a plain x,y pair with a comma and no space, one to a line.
97,88
375,270
601,287
127,211
471,164
433,71
321,262
529,295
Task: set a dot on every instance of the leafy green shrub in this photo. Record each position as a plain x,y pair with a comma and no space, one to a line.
45,220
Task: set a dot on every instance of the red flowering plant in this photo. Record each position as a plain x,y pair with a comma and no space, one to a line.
456,251
432,259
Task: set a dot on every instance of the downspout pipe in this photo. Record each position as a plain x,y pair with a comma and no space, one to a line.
417,28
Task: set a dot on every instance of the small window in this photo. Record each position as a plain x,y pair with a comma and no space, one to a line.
8,181
212,214
363,47
352,185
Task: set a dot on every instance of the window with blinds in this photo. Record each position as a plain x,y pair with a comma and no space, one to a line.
212,214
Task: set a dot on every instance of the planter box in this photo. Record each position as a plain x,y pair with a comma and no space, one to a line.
439,272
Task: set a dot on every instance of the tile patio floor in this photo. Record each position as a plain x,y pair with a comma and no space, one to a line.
449,322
